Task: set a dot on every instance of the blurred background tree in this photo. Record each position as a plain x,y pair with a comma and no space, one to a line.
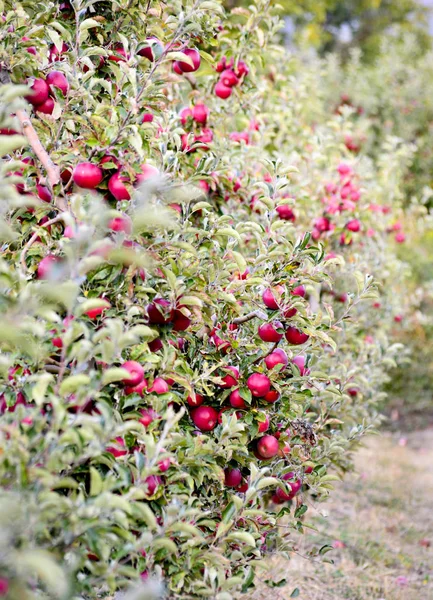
340,25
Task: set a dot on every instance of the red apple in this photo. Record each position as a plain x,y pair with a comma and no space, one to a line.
159,311
267,447
222,91
259,384
119,450
136,373
152,49
43,193
277,357
268,332
123,224
194,55
200,113
195,400
271,297
296,337
232,477
159,386
272,396
46,266
205,417
294,485
299,361
230,381
299,291
147,172
87,175
58,80
236,400
93,313
228,78
147,416
117,187
264,425
180,321
46,107
137,389
155,345
185,115
353,225
39,92
286,213
152,482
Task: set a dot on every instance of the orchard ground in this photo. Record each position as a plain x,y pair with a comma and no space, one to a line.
379,521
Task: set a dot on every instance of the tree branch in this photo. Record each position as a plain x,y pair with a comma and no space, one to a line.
53,172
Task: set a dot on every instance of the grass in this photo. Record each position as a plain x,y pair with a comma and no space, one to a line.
381,520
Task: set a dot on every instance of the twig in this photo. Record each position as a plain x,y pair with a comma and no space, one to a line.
33,239
274,347
255,313
52,170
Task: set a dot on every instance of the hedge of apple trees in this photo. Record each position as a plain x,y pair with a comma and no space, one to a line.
198,293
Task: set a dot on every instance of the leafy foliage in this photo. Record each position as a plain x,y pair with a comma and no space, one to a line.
162,257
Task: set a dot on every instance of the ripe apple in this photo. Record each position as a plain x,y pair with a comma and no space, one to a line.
205,417
46,107
159,386
354,225
277,357
152,482
268,332
152,49
185,115
93,313
296,337
267,447
264,425
87,175
155,345
194,55
147,172
160,311
119,450
137,389
228,78
286,213
294,485
117,187
195,400
136,373
222,91
271,297
55,53
180,321
230,381
299,291
46,266
147,416
272,396
39,92
58,80
299,361
236,400
121,224
43,193
259,384
200,113
232,477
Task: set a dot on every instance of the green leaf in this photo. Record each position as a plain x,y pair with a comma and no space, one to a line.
73,383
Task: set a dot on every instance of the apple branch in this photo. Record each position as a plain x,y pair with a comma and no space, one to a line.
53,172
252,315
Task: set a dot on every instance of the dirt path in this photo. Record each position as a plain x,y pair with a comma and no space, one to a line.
380,521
